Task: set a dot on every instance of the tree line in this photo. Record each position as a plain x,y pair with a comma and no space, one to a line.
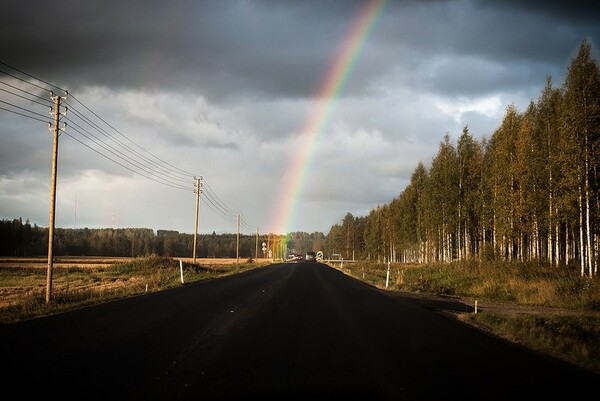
529,193
20,238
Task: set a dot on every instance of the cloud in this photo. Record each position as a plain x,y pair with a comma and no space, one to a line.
223,89
491,107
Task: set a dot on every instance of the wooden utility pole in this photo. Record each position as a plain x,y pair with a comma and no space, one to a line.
198,189
238,239
55,132
256,251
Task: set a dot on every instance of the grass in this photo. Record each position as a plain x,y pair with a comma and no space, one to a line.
573,337
521,283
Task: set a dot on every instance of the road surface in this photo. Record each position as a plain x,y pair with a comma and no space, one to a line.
287,331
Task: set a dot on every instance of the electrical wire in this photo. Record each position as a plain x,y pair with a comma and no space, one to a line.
121,151
22,108
120,164
138,146
47,102
105,140
127,149
83,132
24,115
32,77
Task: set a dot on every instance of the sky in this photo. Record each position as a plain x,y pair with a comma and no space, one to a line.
294,113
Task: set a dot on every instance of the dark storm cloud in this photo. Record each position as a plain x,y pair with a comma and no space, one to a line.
280,48
576,11
216,46
474,47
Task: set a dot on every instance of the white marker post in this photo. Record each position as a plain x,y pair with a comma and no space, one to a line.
387,277
181,270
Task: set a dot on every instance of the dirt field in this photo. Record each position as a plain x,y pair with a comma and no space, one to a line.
42,262
91,261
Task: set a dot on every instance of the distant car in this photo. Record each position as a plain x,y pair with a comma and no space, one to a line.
294,258
310,257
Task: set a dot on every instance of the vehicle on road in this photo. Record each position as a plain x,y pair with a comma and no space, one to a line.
310,257
294,258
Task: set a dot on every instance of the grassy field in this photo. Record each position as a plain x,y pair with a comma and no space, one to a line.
78,282
553,310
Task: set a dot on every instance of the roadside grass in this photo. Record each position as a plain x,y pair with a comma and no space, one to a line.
573,337
75,287
522,283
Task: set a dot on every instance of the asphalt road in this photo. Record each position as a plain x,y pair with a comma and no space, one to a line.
289,331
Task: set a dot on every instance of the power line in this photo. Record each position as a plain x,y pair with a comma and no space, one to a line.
149,163
116,152
222,209
153,166
46,103
24,115
217,202
95,133
31,76
160,180
22,108
138,146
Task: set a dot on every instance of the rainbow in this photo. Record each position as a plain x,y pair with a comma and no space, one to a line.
331,86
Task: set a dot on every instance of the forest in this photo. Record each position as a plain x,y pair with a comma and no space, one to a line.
21,239
528,193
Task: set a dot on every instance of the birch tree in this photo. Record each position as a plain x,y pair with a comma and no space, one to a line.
580,124
548,107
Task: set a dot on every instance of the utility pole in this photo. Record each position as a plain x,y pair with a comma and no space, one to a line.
348,241
76,208
238,239
197,190
256,251
55,131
